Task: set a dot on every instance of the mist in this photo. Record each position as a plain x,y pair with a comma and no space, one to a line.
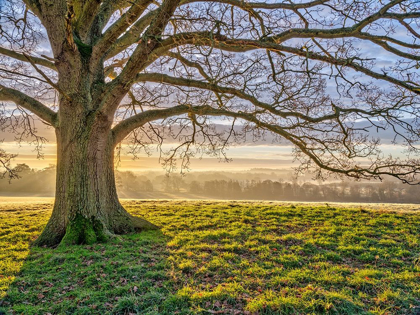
252,184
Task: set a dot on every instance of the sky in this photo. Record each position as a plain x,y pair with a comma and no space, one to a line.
263,154
243,157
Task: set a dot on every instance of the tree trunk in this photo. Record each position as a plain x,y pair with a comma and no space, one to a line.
86,208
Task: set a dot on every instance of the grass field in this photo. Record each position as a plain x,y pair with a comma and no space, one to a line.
218,258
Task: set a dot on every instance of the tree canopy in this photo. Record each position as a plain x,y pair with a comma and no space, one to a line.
325,75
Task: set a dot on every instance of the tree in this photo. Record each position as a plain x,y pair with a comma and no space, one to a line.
99,71
6,171
22,168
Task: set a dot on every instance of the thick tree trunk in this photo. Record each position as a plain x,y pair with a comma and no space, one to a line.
86,208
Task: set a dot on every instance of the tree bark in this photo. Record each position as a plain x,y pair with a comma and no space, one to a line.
86,209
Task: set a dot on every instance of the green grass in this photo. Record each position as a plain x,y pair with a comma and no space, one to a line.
218,258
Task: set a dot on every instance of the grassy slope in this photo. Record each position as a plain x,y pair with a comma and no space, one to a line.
218,258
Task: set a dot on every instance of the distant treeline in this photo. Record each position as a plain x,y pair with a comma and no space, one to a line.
254,184
31,182
42,182
341,192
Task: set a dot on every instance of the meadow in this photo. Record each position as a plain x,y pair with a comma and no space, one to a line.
218,258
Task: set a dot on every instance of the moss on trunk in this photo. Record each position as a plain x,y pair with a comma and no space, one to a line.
83,230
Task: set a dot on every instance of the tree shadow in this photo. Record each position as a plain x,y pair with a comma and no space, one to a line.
128,275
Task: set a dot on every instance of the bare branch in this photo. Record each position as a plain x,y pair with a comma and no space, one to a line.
29,103
19,56
5,169
120,26
263,5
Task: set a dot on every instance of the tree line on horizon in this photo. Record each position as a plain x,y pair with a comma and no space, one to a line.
387,191
243,186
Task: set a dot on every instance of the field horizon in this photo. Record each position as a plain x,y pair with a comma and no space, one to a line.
381,206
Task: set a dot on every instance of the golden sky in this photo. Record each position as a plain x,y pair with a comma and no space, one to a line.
243,157
262,154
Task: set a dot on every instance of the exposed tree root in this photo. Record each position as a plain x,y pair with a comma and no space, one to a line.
82,230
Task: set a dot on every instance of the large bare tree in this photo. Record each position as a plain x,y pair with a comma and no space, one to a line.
323,75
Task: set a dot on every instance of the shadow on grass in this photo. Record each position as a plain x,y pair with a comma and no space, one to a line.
120,277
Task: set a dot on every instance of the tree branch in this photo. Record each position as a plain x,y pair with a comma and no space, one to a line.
34,6
55,18
131,37
21,57
119,27
244,45
29,103
264,5
140,57
87,16
400,171
47,79
177,81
